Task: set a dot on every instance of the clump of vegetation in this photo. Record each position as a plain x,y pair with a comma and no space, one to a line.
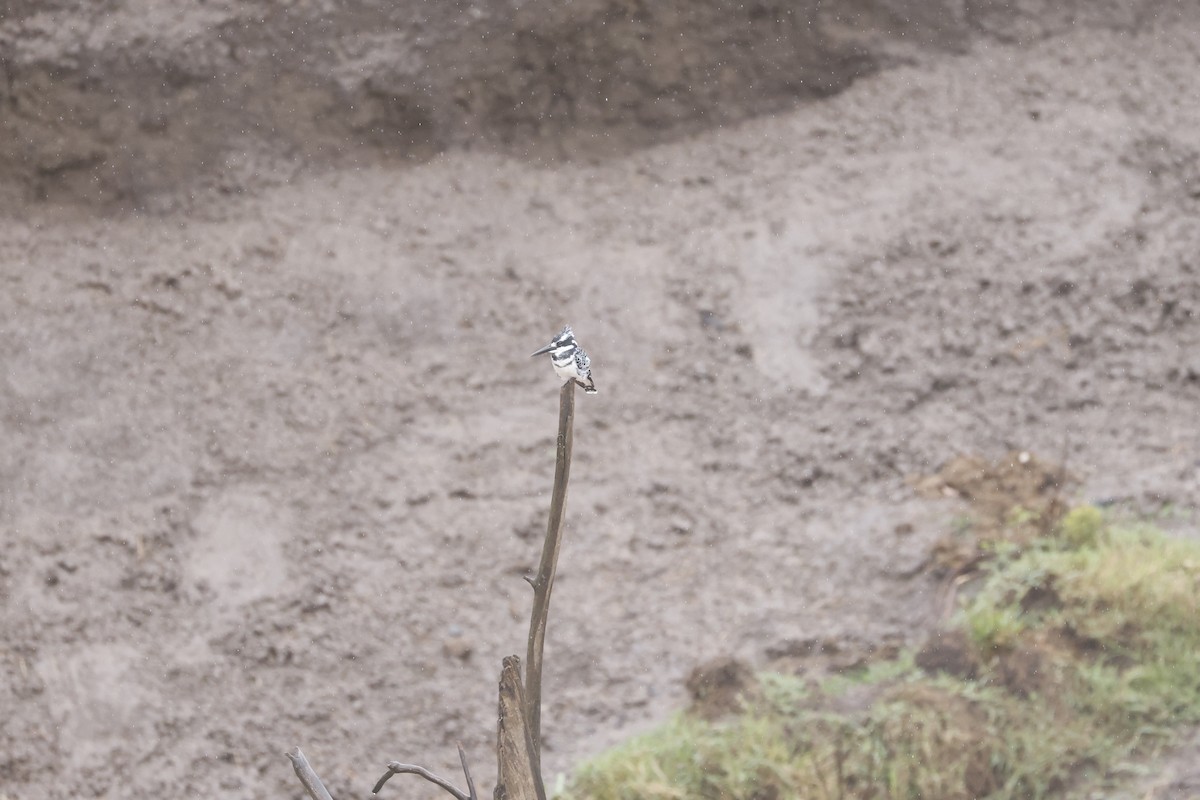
1082,525
1081,649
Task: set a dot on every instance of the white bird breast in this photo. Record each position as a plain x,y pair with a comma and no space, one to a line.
567,370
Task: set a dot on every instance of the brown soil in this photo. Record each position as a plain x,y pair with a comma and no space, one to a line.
720,687
950,652
275,457
1017,484
1017,498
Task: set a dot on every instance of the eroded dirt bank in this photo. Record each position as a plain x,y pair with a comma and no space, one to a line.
137,103
273,467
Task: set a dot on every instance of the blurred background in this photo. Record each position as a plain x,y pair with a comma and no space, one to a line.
274,455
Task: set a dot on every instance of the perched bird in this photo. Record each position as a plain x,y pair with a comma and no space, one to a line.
570,362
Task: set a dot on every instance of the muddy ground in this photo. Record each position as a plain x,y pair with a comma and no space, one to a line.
275,458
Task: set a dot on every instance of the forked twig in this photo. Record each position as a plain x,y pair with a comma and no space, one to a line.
396,768
307,775
543,584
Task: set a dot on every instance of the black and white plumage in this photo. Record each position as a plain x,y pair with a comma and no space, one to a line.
570,362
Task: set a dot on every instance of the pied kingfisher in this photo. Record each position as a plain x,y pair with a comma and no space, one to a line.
570,362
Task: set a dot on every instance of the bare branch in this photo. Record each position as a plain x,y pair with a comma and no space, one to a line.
396,768
543,585
462,756
308,776
519,744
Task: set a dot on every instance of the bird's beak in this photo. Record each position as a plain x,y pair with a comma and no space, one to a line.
545,349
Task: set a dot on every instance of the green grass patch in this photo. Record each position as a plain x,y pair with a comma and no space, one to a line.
1083,649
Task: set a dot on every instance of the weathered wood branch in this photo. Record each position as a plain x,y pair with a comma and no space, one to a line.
518,743
518,777
396,768
307,775
543,584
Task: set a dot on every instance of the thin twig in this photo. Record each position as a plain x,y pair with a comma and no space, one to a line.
307,775
396,768
543,584
462,756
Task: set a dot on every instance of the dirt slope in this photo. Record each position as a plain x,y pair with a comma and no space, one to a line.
275,463
126,102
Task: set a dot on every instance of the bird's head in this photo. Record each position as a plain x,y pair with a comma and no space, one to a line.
564,339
